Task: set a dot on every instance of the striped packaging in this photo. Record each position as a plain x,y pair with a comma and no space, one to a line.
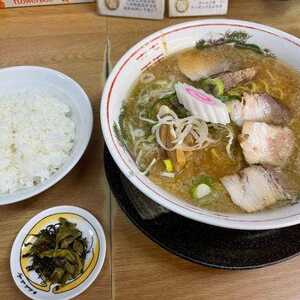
18,3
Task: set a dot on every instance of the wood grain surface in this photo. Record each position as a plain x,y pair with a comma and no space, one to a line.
71,39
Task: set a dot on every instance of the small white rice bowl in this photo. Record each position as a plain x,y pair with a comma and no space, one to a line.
43,116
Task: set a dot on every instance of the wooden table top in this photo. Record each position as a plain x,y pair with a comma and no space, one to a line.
71,39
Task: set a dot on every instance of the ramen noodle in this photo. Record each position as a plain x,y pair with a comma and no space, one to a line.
218,126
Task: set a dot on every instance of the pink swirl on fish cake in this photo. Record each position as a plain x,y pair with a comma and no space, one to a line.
201,97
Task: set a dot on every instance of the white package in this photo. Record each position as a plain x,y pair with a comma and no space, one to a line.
146,9
183,8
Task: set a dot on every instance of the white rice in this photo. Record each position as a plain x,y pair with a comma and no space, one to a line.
36,138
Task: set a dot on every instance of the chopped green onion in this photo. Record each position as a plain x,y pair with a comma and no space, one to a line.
218,88
203,179
235,92
213,86
201,191
200,186
225,98
169,165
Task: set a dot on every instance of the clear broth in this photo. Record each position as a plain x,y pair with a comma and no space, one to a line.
273,77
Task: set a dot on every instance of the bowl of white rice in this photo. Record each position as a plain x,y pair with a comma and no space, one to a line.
46,122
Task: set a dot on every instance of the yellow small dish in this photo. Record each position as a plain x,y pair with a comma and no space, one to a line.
29,282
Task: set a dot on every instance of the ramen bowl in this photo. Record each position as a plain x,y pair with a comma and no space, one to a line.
155,48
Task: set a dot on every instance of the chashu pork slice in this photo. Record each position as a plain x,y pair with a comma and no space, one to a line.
266,144
257,187
199,64
232,79
258,107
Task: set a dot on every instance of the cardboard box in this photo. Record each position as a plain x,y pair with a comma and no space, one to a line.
145,9
18,3
184,8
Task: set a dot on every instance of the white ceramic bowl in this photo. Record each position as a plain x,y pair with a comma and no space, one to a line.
157,46
69,92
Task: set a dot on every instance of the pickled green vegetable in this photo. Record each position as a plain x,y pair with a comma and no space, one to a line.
58,253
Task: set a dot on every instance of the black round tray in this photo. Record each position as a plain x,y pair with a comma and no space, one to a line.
201,243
